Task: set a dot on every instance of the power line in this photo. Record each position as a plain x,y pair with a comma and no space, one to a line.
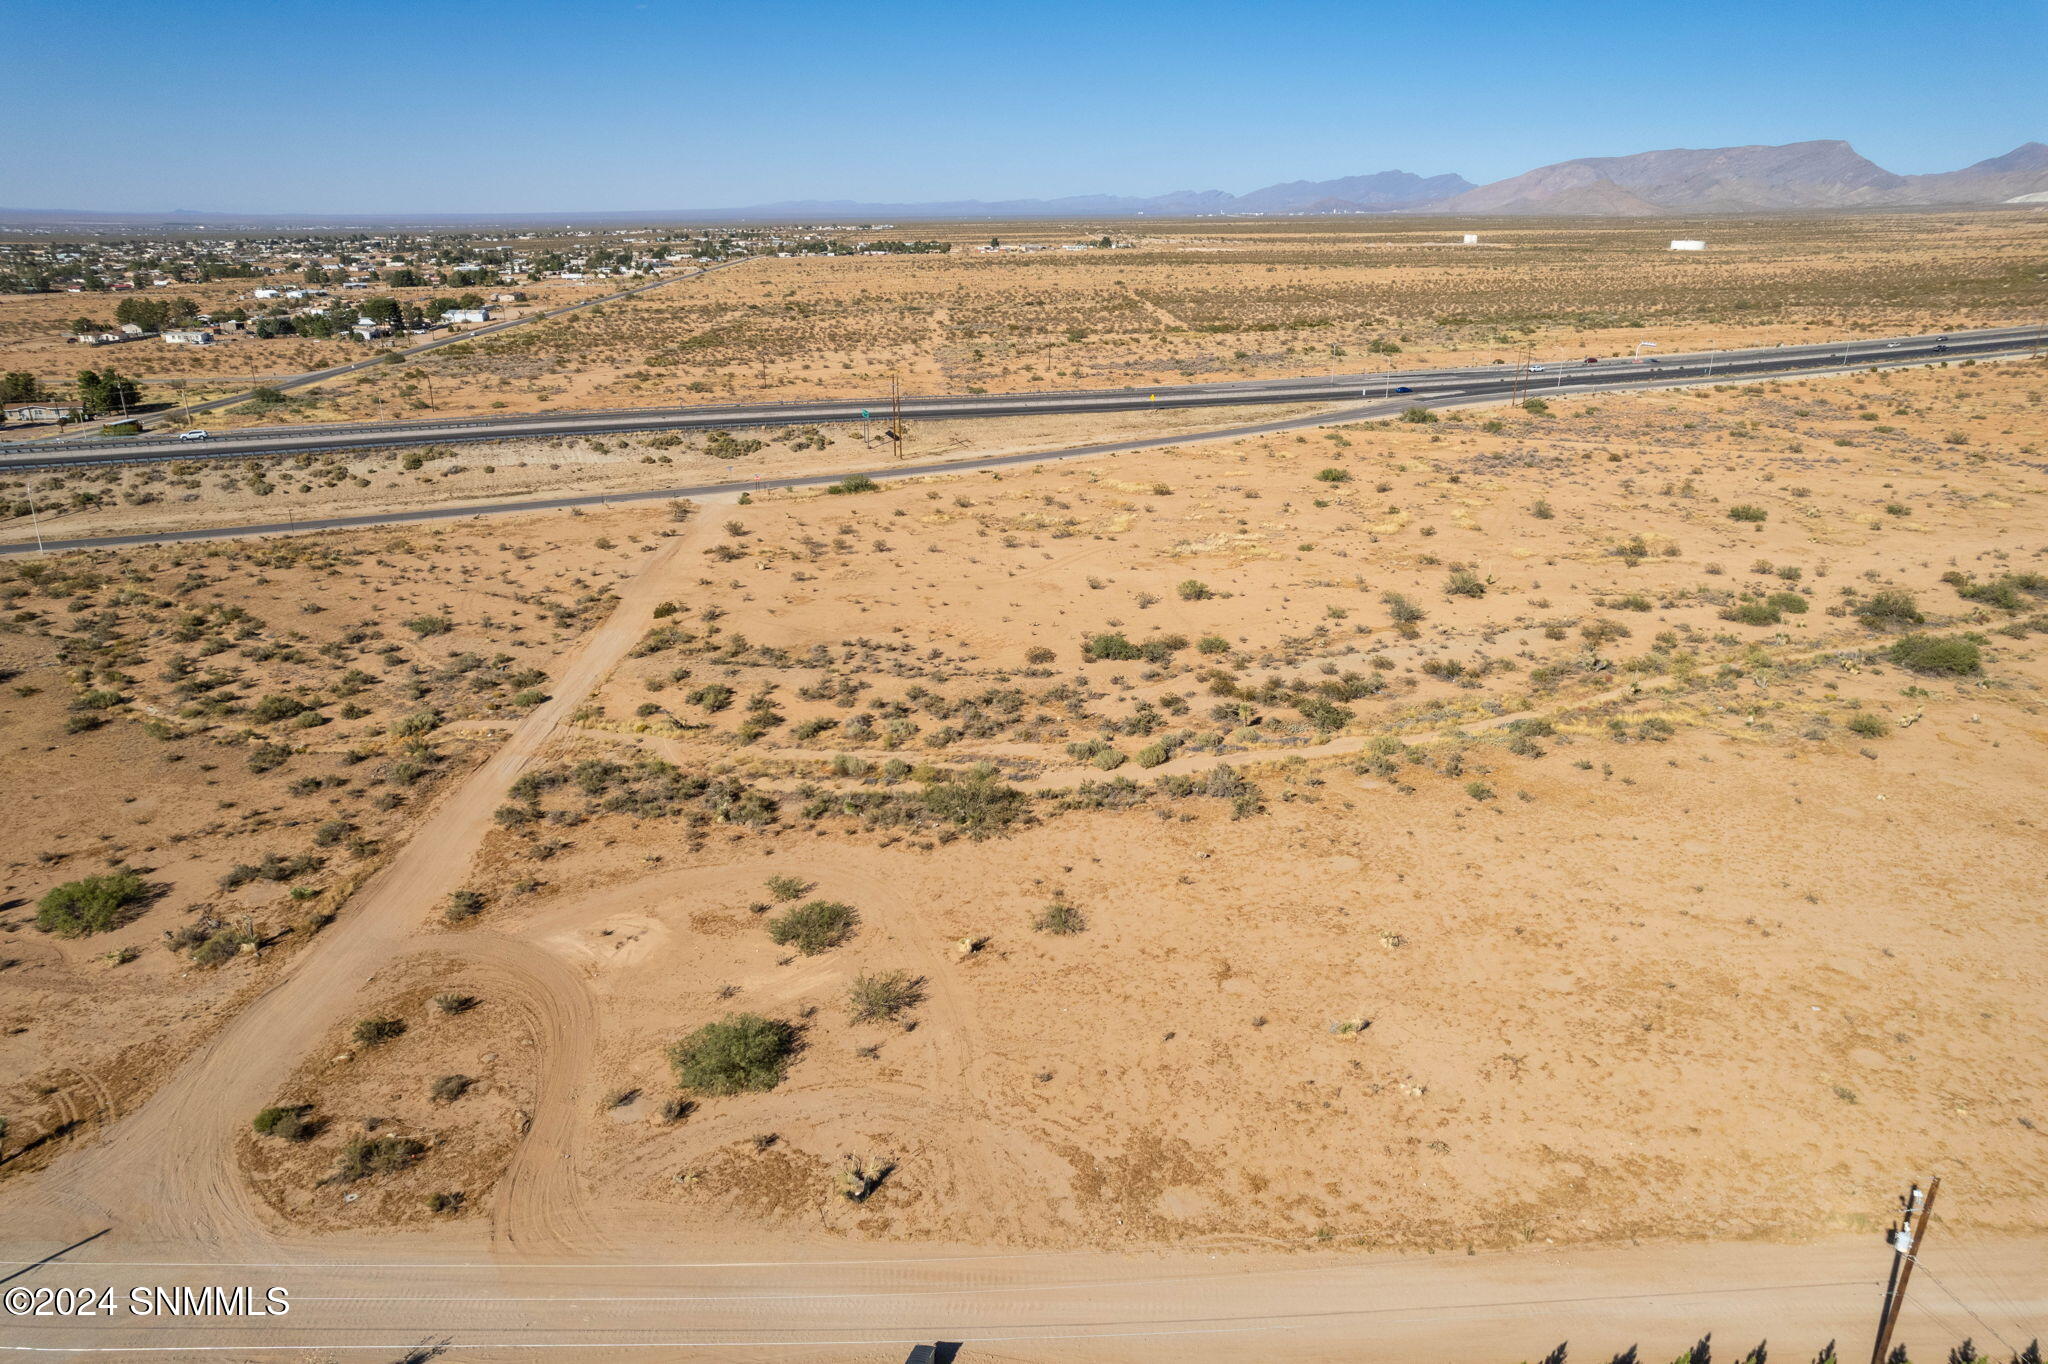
1971,1310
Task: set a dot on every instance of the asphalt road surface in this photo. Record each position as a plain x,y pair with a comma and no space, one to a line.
1470,387
1471,383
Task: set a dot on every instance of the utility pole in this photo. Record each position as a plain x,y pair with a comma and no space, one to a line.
896,413
1906,1241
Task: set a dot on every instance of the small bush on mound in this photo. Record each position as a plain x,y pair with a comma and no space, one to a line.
737,1054
1935,654
1333,475
93,904
1403,611
1418,415
1464,584
980,808
856,483
1109,646
1790,602
449,1088
1889,609
1061,919
463,905
879,998
366,1156
1743,511
1869,726
371,1032
1753,613
287,1123
787,887
813,927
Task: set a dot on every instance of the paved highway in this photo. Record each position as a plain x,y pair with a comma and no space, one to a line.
1473,383
1435,389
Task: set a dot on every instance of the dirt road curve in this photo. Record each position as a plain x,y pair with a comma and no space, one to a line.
566,1269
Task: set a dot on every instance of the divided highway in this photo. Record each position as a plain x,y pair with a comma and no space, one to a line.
1473,383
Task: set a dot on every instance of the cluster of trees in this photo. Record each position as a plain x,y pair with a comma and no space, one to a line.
102,391
19,386
154,314
894,248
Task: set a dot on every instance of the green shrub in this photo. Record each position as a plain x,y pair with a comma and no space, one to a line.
366,1156
1464,584
1061,919
1194,589
1403,611
737,1054
1109,646
1789,602
429,625
272,708
1868,725
90,905
1418,415
1752,613
1936,654
1889,609
1333,475
787,887
814,927
1743,511
287,1123
371,1032
980,807
854,483
1212,644
879,998
463,905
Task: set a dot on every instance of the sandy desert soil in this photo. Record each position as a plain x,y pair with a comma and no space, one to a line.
1196,300
1616,822
191,494
251,729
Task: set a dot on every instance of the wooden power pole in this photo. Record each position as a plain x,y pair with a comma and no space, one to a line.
1906,1240
896,413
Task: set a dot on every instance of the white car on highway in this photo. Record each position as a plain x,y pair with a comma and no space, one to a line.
192,435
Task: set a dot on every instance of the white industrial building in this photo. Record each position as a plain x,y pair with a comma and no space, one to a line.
1688,246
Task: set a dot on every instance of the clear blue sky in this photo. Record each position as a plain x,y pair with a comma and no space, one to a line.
511,105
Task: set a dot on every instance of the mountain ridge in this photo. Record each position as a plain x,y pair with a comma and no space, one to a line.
1819,174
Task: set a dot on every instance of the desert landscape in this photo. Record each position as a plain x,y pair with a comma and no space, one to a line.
1168,302
1004,762
1525,826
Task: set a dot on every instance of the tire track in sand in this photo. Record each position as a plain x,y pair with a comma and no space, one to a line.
168,1172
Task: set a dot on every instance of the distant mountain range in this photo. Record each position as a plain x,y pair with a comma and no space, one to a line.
1799,175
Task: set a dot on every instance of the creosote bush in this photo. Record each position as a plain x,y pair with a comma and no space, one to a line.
1951,655
366,1156
286,1122
371,1032
881,997
813,927
1060,919
92,904
736,1054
